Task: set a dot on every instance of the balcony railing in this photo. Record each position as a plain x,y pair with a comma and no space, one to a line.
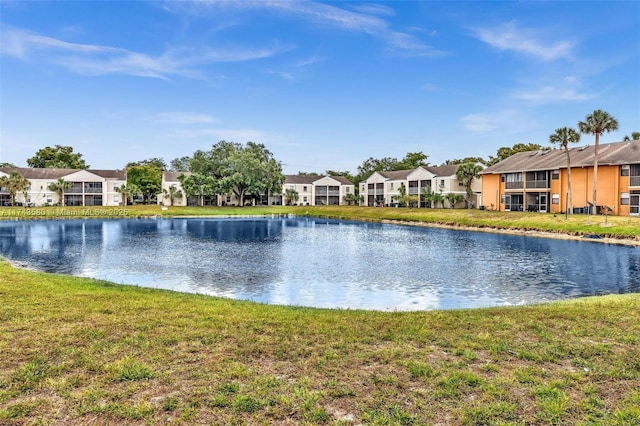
414,191
379,191
634,181
514,185
537,184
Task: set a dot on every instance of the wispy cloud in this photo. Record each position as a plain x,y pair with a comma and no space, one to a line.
364,18
505,121
565,90
100,60
511,37
176,117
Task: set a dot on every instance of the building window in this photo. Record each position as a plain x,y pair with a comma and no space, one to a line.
116,199
555,198
624,170
442,183
391,186
502,199
555,175
346,189
304,199
304,189
624,199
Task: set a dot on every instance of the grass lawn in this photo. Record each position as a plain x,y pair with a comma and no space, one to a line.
78,351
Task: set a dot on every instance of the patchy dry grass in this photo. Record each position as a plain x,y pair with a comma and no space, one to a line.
79,351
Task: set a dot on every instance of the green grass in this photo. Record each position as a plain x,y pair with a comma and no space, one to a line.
627,228
81,351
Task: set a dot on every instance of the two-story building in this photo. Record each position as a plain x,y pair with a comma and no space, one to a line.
88,187
313,190
538,180
383,187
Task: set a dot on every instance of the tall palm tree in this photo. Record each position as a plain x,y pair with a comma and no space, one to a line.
15,183
597,123
172,193
59,186
563,137
466,173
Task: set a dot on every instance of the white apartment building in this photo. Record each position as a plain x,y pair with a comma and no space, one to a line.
88,187
383,187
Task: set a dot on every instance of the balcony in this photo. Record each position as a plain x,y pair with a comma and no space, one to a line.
537,184
414,191
514,185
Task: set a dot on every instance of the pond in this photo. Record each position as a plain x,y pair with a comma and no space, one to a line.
324,263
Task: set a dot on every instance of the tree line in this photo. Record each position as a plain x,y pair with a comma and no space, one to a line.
246,170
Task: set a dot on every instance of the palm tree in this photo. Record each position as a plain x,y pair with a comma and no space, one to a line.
563,137
59,187
290,196
597,123
127,191
15,183
466,173
453,199
437,198
172,193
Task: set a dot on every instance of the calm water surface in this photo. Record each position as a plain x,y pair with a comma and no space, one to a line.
325,263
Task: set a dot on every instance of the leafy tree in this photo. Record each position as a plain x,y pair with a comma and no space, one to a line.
343,174
634,137
597,123
290,196
59,157
182,164
453,199
466,173
465,160
7,165
147,177
506,152
172,194
563,137
15,183
59,187
127,192
413,160
155,161
249,170
371,165
199,185
301,173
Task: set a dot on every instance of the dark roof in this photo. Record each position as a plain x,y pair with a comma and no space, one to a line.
448,170
173,176
343,180
617,153
34,173
301,179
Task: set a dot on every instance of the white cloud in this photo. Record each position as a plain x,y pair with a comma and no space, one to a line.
511,37
182,118
364,19
504,121
564,90
101,60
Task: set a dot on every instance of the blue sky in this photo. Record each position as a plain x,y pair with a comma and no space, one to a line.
324,85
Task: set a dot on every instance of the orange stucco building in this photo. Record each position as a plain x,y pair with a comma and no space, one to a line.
538,181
